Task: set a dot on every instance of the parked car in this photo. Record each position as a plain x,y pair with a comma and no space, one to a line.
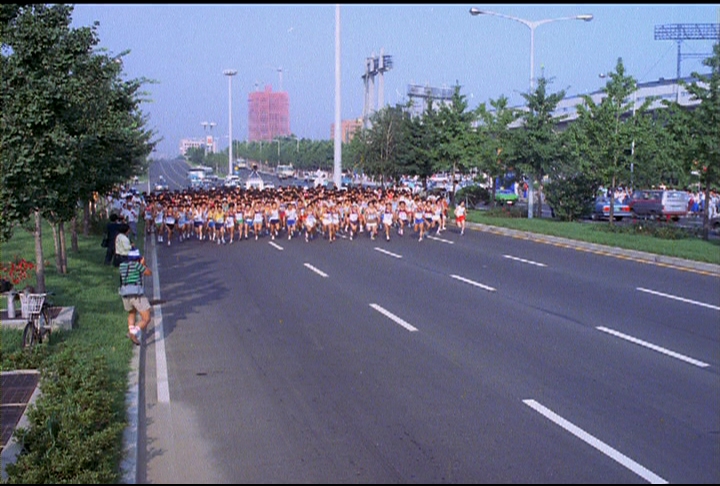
715,223
658,203
506,197
601,209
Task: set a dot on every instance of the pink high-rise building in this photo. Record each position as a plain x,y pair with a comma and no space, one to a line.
268,115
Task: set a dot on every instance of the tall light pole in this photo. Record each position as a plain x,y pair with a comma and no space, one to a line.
230,73
337,153
532,25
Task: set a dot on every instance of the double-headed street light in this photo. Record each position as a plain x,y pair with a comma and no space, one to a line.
230,73
532,25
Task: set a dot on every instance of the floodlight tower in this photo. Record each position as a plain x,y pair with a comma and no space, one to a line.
369,82
384,64
681,32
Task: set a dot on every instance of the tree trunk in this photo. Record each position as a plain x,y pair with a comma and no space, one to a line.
611,218
87,209
538,207
63,248
493,191
56,243
39,257
74,236
706,214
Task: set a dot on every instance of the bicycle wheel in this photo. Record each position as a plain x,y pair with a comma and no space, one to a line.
28,339
44,321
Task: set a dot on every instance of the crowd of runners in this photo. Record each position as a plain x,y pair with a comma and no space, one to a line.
228,215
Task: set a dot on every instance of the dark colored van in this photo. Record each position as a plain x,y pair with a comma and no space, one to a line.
658,203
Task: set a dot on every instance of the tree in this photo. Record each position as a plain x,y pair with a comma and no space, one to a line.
703,141
538,142
492,140
452,131
383,139
68,126
611,134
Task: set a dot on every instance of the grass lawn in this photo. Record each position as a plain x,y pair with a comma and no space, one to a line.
690,248
89,286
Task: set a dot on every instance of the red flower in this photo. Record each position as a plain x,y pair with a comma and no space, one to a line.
16,271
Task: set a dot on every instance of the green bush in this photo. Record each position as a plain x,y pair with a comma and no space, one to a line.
473,195
75,430
657,229
506,211
571,198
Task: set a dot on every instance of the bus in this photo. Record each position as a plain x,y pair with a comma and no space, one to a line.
197,175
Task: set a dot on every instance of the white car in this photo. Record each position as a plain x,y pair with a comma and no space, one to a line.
254,181
231,181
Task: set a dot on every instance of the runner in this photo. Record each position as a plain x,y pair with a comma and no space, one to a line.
402,216
388,219
419,217
460,216
291,219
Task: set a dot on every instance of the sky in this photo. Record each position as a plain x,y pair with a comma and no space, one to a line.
183,50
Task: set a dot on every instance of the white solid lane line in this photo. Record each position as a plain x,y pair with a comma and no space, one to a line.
161,369
529,262
622,459
653,347
681,299
319,272
472,282
395,318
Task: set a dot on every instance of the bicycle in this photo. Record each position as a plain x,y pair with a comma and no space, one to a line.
37,310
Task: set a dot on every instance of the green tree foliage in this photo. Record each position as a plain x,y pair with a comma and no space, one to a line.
453,141
538,143
492,140
702,141
610,131
383,142
69,127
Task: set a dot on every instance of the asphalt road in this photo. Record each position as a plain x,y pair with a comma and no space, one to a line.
474,358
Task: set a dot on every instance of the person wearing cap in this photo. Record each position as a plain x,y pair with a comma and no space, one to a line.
136,303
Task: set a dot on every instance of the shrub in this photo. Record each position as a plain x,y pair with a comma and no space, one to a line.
657,229
75,429
473,195
571,198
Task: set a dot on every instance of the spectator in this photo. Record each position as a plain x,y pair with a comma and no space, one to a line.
122,245
133,296
112,230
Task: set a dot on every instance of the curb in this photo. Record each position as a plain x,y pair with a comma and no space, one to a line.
128,465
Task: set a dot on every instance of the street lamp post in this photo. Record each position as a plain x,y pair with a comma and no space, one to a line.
230,73
532,25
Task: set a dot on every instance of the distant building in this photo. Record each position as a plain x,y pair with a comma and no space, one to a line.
209,144
348,128
188,143
268,115
420,96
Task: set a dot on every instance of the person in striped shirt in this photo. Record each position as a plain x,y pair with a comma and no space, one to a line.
132,272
